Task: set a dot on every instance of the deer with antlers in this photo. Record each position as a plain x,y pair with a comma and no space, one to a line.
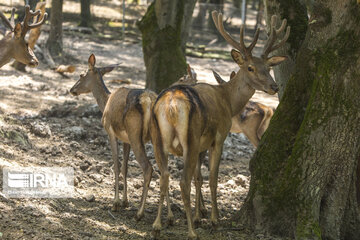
14,45
189,119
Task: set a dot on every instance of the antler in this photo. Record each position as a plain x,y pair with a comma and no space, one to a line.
246,51
28,15
8,23
269,46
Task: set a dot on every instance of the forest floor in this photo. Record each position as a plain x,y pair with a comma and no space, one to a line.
42,125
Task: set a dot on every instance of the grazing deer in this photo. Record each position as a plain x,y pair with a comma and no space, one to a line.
188,120
126,117
13,45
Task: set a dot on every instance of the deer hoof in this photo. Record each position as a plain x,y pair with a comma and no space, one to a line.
116,206
197,222
215,224
124,203
193,236
170,220
139,216
155,234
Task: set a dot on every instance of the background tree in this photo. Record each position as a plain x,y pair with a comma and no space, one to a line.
54,42
163,29
305,174
85,14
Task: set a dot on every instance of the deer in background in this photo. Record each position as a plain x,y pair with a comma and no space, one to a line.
14,45
126,117
189,119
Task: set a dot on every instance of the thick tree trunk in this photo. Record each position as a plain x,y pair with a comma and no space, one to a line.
295,12
85,13
54,42
305,175
162,28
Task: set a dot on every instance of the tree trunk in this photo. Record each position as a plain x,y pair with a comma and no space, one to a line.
305,174
187,22
162,28
54,42
85,14
295,12
199,19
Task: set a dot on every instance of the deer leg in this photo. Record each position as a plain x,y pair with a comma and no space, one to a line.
124,169
191,157
215,155
161,157
198,183
164,186
114,151
139,151
170,216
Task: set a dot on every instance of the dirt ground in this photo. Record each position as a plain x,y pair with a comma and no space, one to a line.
41,124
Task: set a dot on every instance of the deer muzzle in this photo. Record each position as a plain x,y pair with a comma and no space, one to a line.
33,63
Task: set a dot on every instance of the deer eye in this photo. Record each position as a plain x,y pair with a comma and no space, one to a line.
251,69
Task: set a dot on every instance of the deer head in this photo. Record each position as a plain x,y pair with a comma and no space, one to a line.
92,78
189,78
255,70
15,45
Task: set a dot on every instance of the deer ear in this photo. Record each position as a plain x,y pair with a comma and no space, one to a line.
92,61
238,58
188,69
107,69
218,78
17,30
276,60
232,75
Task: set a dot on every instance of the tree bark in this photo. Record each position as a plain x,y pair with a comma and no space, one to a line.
54,42
163,28
295,12
85,14
305,174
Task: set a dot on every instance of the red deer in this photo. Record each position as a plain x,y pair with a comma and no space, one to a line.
189,119
126,117
14,45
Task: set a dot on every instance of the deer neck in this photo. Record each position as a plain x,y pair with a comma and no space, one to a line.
5,50
101,93
239,92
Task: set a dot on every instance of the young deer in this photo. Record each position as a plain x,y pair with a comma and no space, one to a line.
126,117
13,45
188,120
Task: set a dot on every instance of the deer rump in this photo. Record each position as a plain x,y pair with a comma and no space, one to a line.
136,108
180,112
